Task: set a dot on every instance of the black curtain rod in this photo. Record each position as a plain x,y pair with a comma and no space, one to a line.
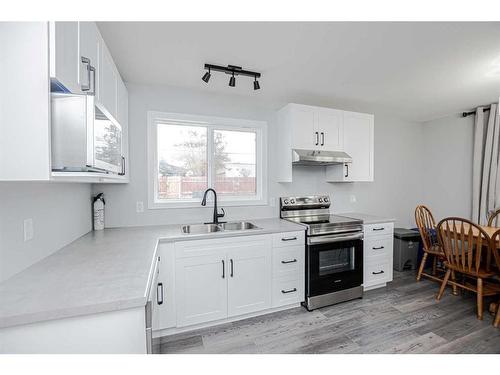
465,114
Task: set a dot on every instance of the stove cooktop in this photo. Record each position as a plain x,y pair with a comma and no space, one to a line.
328,224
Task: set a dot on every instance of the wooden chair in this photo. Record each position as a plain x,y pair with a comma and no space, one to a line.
494,218
463,242
427,228
495,248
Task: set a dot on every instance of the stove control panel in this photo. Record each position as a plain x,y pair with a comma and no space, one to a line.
314,201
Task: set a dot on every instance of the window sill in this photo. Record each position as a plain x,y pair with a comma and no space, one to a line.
197,204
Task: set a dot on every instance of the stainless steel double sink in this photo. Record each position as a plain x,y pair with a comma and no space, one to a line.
222,227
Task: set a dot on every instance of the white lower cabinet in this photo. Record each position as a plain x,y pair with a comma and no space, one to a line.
201,289
202,281
249,277
378,256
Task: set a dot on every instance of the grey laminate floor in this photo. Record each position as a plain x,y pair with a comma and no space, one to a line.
401,318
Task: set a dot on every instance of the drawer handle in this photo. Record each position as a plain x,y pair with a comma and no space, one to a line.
378,228
378,248
377,273
289,291
288,261
288,238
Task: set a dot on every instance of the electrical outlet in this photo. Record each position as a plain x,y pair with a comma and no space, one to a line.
352,198
28,229
139,206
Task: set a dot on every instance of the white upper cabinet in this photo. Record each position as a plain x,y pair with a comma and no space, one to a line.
108,81
301,121
324,129
314,128
358,143
81,63
24,98
65,55
330,127
90,42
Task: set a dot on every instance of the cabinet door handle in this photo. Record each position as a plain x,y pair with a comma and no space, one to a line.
322,139
377,229
317,138
223,269
289,291
377,273
346,170
159,292
86,61
92,69
232,273
288,238
378,248
122,173
288,261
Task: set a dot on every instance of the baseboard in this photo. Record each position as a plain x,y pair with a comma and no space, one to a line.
175,330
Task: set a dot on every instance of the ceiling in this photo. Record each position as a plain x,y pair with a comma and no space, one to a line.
419,71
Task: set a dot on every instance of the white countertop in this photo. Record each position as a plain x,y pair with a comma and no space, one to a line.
101,271
367,218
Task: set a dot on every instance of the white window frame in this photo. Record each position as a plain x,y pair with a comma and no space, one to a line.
212,123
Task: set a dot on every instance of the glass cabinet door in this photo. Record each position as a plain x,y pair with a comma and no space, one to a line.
107,143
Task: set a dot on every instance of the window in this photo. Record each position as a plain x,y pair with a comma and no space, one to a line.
188,154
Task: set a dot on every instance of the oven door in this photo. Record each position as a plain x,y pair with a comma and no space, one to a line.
334,264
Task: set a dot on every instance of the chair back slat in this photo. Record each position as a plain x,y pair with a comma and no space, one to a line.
426,226
461,248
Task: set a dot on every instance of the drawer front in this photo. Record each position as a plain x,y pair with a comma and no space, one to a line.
377,272
288,261
379,246
287,291
288,239
378,229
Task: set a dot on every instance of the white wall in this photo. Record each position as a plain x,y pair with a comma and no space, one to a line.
447,166
60,212
394,193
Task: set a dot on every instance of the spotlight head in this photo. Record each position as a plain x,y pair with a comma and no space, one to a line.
232,81
256,85
206,77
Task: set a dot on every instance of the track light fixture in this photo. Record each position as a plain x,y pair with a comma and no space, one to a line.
206,76
233,70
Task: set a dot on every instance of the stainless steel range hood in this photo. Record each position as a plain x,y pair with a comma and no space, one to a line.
317,157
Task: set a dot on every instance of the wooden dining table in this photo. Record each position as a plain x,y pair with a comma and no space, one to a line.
490,231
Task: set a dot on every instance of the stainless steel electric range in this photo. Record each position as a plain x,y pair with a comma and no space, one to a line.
334,250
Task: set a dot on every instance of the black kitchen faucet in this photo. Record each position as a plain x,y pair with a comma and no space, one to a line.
217,215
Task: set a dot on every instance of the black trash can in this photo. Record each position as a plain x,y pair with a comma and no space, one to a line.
405,249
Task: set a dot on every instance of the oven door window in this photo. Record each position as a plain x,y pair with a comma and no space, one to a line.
336,260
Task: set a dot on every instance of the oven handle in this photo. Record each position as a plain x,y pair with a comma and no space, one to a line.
334,238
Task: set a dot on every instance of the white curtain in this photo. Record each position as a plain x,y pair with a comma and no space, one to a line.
485,173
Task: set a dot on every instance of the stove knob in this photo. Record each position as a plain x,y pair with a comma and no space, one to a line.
320,200
285,201
326,200
292,201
